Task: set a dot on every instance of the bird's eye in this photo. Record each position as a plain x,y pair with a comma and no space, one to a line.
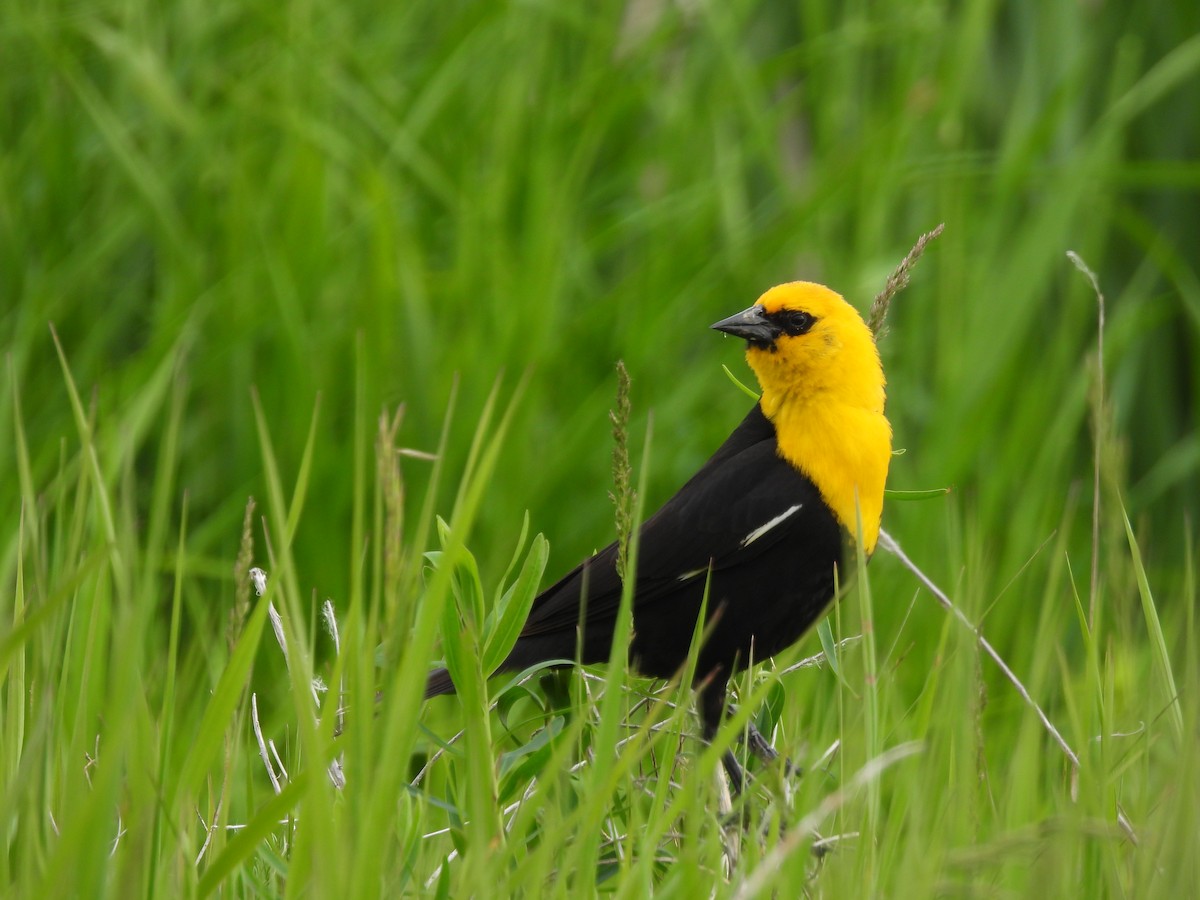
796,321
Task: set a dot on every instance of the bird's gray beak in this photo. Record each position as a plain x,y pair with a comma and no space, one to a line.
751,324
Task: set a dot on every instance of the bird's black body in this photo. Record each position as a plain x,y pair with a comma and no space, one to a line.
772,544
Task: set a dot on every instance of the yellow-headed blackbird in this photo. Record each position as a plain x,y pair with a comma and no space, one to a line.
764,522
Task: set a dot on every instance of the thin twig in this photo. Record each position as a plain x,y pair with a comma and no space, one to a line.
819,659
330,618
898,281
277,627
623,495
241,569
758,879
262,744
828,755
278,760
889,543
209,830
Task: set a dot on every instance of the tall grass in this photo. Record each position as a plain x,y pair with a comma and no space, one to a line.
373,266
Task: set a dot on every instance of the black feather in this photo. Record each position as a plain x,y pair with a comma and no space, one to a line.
767,592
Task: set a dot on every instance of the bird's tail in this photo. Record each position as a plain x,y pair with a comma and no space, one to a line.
439,683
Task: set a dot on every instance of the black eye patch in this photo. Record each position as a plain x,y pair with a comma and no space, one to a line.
793,322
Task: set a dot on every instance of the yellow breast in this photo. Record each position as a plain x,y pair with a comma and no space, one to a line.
824,392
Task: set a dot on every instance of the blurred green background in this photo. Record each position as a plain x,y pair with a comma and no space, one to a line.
469,189
273,196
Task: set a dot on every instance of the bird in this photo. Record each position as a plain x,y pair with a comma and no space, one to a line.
766,525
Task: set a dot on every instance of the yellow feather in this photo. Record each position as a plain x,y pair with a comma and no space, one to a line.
824,392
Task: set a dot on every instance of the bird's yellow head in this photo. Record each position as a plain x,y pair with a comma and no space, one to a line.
823,388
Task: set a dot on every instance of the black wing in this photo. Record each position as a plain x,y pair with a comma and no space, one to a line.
717,518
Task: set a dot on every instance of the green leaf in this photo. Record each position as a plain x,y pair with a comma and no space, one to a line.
514,606
248,840
1158,641
468,590
516,557
770,710
208,741
916,495
829,645
454,635
748,391
464,577
538,747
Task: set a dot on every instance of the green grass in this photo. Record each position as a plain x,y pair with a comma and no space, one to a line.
291,252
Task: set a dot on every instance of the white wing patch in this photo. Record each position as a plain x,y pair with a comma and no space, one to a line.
692,574
763,529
